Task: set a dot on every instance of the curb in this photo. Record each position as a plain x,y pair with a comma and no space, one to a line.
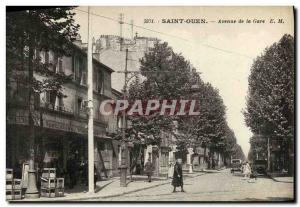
274,179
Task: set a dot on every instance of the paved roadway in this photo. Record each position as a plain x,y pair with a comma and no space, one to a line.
218,186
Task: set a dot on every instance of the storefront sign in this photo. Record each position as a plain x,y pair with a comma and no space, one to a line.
54,122
69,125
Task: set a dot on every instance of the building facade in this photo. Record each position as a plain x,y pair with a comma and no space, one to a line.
60,122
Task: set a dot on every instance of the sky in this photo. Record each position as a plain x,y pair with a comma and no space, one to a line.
222,52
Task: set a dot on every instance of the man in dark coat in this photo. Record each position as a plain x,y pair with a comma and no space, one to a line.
177,176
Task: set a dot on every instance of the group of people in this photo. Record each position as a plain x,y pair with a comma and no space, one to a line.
77,169
177,178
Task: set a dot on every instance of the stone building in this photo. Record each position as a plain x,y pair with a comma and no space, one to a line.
61,122
108,50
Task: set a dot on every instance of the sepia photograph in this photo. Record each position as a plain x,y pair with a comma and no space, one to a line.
150,104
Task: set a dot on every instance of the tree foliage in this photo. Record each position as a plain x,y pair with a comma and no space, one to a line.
270,102
30,32
168,75
258,148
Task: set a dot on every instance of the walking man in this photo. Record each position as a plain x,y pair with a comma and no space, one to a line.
177,176
148,169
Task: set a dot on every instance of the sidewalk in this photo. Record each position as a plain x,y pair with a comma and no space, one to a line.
283,179
110,188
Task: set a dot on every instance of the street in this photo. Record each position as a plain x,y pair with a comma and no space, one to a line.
110,113
217,186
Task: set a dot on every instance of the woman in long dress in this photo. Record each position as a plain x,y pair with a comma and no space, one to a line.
177,176
247,170
148,169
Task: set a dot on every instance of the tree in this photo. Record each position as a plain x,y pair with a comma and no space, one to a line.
258,148
238,153
28,33
167,78
270,101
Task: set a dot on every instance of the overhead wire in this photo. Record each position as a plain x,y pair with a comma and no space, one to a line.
166,34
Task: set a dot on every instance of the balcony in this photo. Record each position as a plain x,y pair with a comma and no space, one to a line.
59,109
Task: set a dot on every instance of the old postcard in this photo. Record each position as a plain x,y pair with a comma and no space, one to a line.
150,104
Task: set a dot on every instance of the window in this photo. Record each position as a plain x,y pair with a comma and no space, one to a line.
60,103
76,69
60,65
46,56
79,104
37,100
95,80
100,82
84,78
21,93
50,99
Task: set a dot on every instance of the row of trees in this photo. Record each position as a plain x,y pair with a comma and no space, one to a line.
270,102
169,76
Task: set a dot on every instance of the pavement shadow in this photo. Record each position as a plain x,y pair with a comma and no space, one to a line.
79,188
146,179
280,199
268,199
237,175
99,188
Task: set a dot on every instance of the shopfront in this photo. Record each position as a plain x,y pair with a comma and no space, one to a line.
58,138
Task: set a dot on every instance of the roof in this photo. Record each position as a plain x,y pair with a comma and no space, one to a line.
94,59
116,92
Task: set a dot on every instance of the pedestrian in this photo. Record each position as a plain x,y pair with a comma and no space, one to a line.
95,176
177,176
71,170
84,172
247,171
148,169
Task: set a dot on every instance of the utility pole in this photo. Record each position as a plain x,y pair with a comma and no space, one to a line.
123,167
91,153
31,191
269,156
131,25
121,22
